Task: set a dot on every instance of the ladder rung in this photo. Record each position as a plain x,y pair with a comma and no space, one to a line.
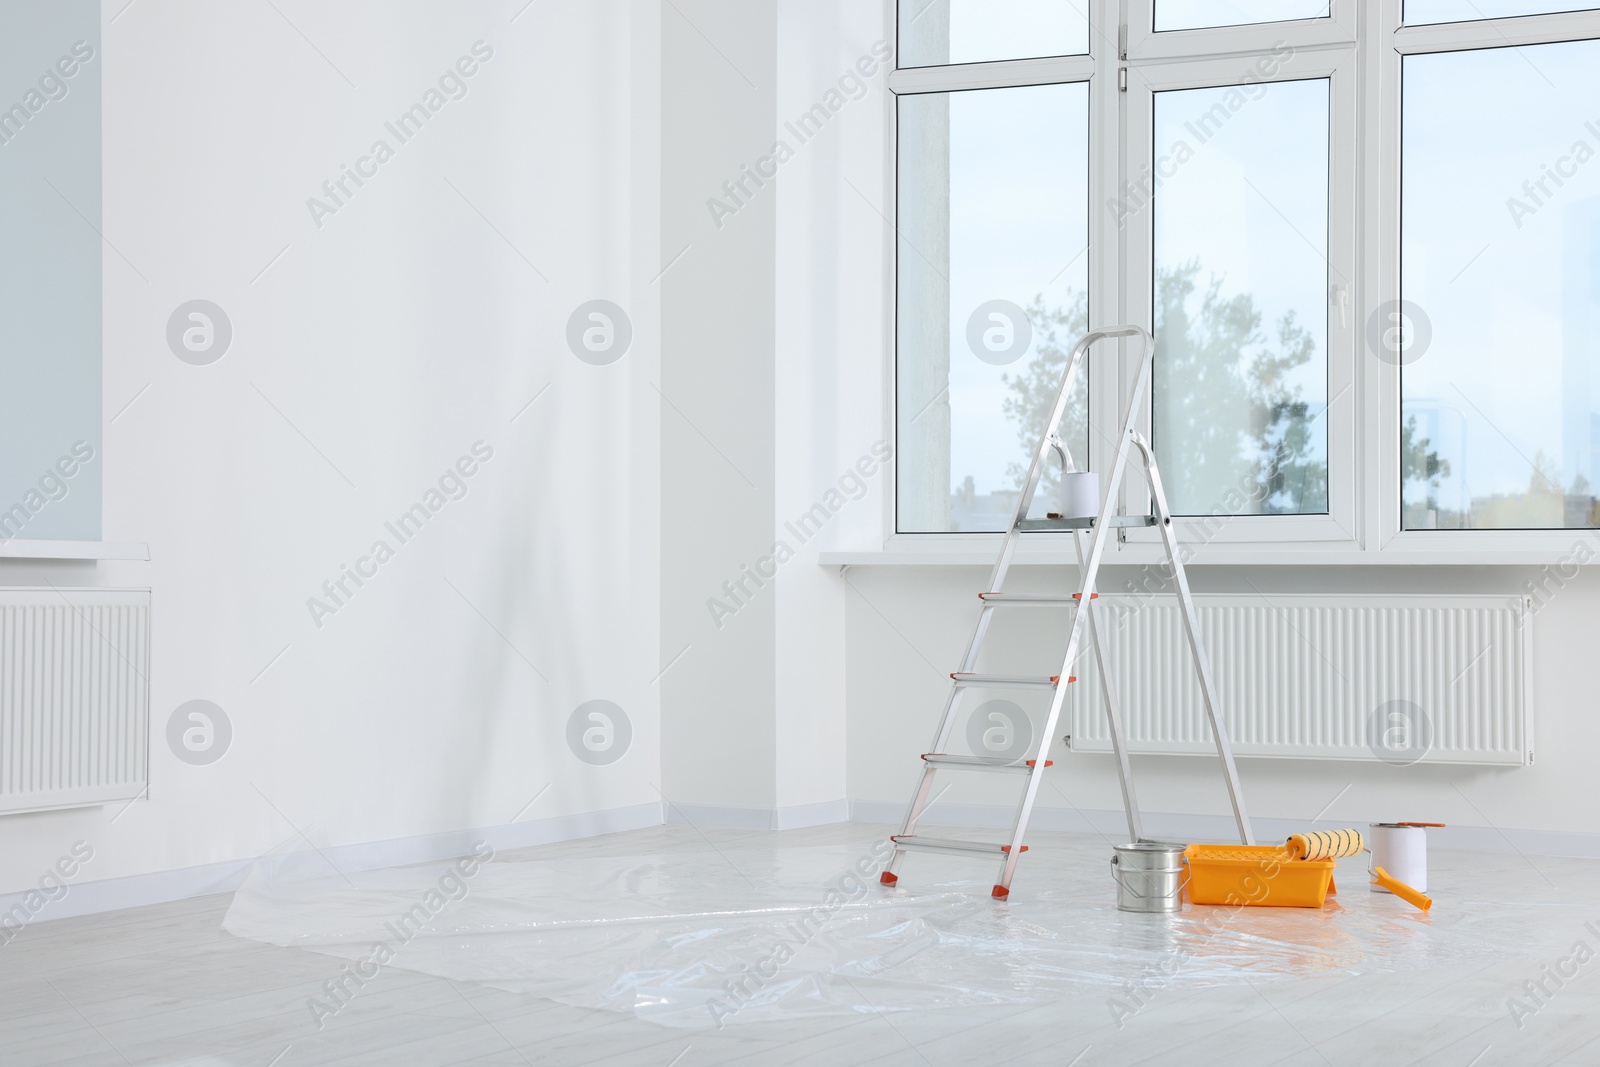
1007,681
1029,600
917,843
982,763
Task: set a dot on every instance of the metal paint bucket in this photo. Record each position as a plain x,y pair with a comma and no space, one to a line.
1150,876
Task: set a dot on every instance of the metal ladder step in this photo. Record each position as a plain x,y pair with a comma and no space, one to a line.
983,763
1029,600
1111,522
917,843
1007,681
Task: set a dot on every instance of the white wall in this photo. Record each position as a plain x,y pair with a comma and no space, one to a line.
365,361
830,284
717,445
766,330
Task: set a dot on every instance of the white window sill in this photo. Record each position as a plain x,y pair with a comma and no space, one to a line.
15,548
1467,548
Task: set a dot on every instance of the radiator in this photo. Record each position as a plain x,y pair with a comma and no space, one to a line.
74,696
1432,679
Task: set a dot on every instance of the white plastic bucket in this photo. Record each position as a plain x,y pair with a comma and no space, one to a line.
1150,876
1403,852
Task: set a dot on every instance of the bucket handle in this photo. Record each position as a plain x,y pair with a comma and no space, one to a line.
1116,876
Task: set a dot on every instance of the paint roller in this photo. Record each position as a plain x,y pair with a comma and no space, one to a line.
1337,844
1326,845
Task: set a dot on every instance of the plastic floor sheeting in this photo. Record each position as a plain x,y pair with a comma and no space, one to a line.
696,934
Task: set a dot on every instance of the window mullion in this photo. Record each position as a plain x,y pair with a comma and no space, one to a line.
1107,247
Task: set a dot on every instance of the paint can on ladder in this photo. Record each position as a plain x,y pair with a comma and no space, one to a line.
1401,849
1080,495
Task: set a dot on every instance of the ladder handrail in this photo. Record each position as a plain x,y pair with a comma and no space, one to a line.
1057,411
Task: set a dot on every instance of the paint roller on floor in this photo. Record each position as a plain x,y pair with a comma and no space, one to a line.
1337,844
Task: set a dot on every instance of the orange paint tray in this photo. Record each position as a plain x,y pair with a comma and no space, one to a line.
1258,875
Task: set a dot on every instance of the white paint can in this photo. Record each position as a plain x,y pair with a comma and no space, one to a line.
1080,495
1402,850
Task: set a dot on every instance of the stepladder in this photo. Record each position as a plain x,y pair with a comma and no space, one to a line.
1090,537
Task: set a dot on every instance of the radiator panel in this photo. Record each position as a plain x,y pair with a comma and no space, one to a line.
74,697
1306,676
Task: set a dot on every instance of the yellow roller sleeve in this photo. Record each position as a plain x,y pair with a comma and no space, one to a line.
1326,844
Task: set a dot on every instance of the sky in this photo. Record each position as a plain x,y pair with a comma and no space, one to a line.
1420,12
1019,228
1512,296
985,30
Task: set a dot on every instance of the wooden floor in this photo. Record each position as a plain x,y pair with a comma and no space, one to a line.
164,985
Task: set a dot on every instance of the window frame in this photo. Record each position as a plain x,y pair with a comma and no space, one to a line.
1360,47
1382,414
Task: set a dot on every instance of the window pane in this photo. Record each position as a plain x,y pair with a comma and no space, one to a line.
50,271
1499,343
1198,14
1422,12
1240,286
993,280
935,32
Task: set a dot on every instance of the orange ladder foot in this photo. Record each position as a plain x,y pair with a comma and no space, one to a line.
887,878
1001,892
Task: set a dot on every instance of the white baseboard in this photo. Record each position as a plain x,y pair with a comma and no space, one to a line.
1114,824
726,818
800,816
790,817
114,894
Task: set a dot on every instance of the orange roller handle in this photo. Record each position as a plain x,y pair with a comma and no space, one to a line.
1401,890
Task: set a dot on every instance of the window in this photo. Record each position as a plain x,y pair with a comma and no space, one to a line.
993,205
1220,226
50,271
1365,236
1241,281
1500,271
